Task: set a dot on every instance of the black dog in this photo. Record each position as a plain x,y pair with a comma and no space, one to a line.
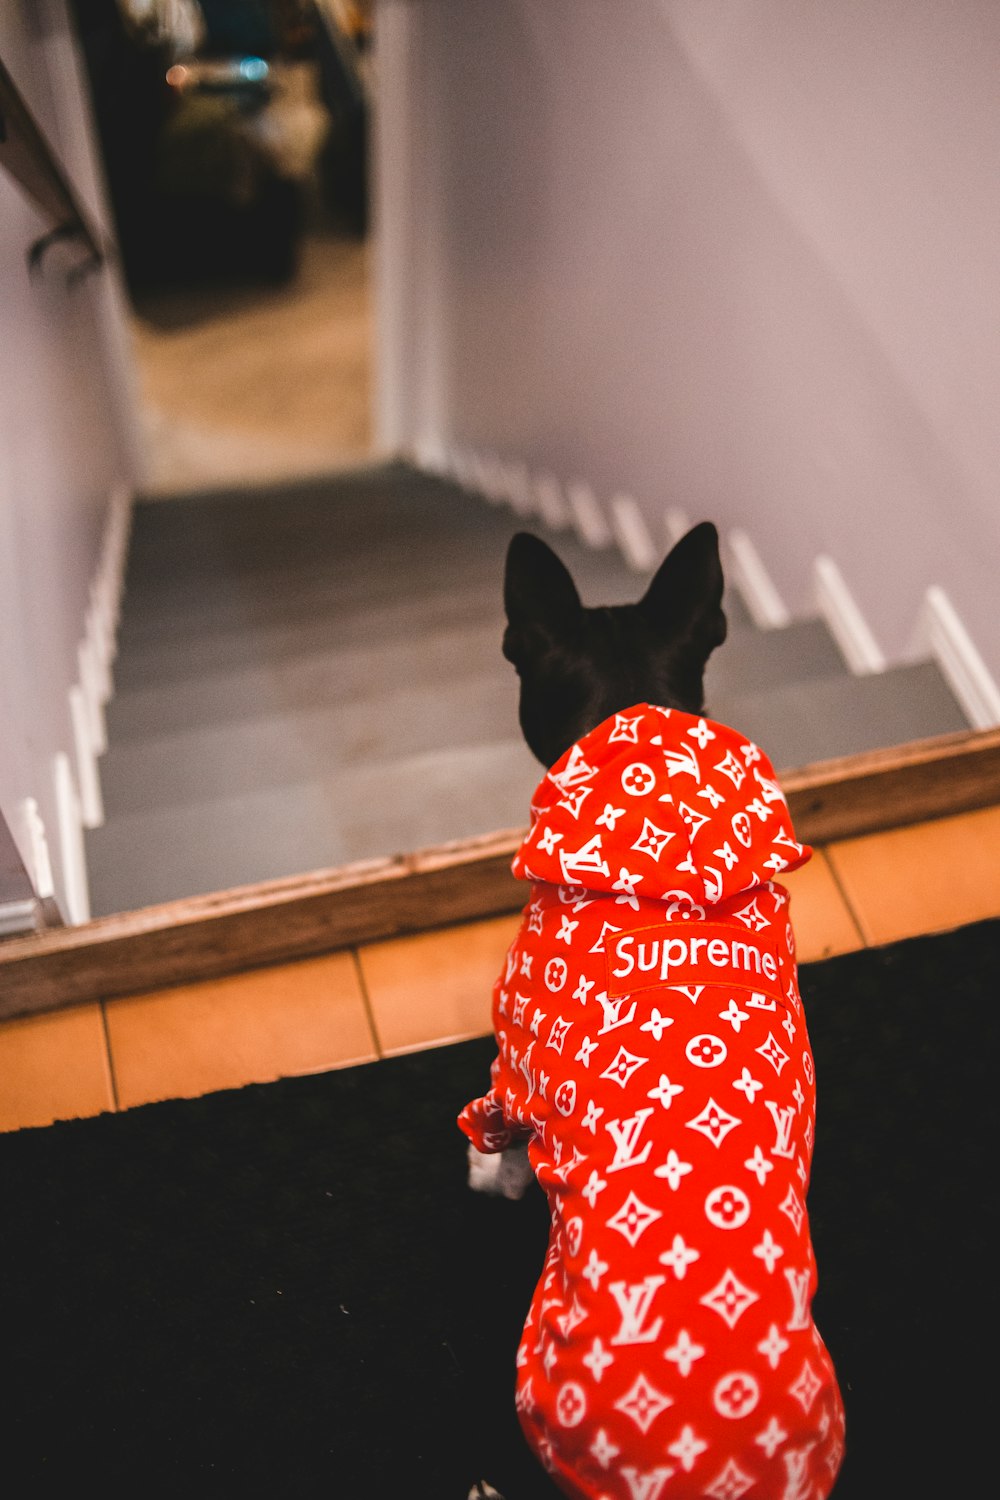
653,1070
578,666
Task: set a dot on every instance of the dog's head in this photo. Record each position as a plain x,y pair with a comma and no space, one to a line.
579,665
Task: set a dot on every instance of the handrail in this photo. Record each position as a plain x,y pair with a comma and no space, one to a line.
29,158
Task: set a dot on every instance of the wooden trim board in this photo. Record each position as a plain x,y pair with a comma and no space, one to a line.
880,789
277,921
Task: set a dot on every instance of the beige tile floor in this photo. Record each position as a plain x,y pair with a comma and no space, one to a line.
433,988
260,385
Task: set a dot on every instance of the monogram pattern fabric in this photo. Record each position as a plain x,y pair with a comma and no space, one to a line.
668,1105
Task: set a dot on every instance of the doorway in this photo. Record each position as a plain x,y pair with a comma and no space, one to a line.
235,145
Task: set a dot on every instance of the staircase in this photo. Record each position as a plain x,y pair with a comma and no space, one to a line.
311,675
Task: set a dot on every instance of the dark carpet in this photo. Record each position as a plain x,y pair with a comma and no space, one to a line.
288,1287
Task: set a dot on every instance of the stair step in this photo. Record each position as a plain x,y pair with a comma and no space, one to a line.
364,811
299,743
301,647
228,625
279,600
196,567
844,715
185,556
754,660
239,675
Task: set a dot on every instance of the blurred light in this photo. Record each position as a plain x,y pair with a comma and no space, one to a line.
254,69
177,76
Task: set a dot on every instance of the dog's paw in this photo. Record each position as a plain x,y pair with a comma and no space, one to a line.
515,1172
505,1174
484,1491
484,1171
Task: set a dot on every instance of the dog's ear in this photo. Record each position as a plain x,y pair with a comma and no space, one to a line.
539,596
684,598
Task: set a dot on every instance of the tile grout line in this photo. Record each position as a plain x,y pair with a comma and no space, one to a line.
852,912
366,1002
112,1075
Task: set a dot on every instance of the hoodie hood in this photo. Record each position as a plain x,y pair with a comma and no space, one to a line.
659,804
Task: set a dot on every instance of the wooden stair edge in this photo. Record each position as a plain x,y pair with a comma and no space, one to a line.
278,921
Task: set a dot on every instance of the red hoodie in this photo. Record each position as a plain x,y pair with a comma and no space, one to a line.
653,1054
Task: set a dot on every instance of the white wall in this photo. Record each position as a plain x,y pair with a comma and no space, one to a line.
733,256
68,443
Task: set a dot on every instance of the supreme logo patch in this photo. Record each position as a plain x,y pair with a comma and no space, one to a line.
691,953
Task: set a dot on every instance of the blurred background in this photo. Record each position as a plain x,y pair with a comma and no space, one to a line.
234,136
